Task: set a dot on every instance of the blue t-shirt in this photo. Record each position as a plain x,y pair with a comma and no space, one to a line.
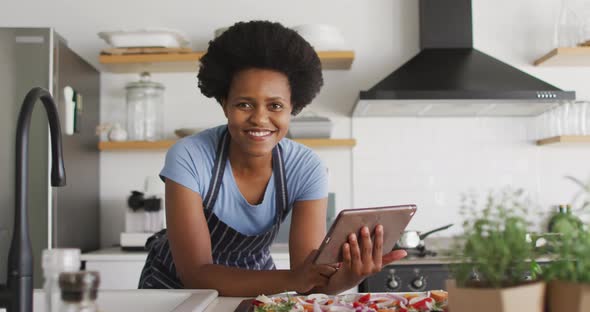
190,162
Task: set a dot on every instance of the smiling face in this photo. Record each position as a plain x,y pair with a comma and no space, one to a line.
258,110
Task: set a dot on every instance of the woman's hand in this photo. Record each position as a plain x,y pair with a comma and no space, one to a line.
363,259
309,275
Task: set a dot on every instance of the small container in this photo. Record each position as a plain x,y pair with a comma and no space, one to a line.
117,133
54,262
145,109
79,291
310,126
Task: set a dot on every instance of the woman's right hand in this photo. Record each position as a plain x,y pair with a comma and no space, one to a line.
310,275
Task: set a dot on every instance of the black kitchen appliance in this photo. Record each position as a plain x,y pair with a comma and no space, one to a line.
449,77
423,269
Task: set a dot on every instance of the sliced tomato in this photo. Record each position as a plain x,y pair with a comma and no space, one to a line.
357,304
365,298
422,305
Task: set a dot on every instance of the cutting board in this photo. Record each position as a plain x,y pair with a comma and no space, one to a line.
145,300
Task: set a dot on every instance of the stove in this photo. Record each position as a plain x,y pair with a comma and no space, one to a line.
421,270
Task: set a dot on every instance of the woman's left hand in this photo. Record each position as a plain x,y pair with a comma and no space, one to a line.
363,259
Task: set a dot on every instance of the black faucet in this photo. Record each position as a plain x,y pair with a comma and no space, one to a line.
17,294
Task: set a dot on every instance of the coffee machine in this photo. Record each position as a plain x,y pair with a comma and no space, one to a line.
144,215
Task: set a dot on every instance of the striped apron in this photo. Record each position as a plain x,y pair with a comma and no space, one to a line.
228,246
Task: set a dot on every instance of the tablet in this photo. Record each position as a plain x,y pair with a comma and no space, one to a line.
394,220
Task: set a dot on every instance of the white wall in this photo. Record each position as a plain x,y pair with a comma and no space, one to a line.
432,161
368,29
427,161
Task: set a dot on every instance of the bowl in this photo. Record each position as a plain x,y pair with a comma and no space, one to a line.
183,132
322,37
310,126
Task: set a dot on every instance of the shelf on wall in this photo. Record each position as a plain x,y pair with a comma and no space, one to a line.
565,139
574,56
188,62
165,144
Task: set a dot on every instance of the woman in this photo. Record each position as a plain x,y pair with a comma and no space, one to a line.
229,188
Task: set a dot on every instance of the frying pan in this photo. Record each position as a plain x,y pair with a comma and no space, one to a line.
413,239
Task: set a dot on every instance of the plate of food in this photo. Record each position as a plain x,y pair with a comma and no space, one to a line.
436,300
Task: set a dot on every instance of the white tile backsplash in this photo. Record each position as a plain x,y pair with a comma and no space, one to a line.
431,161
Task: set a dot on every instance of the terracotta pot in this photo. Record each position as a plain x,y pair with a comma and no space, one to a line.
529,297
566,296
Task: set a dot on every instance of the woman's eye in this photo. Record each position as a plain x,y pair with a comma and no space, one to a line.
276,106
244,105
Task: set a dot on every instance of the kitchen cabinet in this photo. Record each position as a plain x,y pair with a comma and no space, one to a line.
121,269
165,144
565,139
570,56
188,62
118,269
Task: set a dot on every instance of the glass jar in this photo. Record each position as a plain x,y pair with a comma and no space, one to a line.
79,291
145,109
54,262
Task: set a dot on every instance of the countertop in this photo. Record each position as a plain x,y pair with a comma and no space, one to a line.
279,251
117,254
114,254
152,300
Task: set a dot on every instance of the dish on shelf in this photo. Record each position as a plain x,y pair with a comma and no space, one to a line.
166,38
183,132
322,37
309,125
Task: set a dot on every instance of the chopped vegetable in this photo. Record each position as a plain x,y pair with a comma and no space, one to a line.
369,302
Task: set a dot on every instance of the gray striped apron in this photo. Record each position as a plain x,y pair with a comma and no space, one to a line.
228,246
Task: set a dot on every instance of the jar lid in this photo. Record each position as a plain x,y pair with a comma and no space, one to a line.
61,259
144,82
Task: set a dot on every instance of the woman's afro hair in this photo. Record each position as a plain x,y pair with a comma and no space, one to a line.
261,44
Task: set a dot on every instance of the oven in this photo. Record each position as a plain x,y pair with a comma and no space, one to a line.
406,277
409,275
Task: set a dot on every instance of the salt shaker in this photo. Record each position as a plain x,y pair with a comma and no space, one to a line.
54,262
79,291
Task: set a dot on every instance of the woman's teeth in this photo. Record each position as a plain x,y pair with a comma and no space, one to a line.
259,133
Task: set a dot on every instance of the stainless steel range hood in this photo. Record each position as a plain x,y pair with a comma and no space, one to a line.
448,77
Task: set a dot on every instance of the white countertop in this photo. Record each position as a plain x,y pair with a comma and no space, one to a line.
114,253
224,304
117,254
150,300
278,252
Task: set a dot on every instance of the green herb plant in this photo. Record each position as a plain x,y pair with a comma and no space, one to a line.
494,250
571,252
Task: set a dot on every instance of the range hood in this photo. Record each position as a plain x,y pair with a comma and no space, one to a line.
448,77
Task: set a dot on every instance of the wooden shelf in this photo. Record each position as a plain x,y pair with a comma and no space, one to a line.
565,139
165,144
336,59
575,56
188,62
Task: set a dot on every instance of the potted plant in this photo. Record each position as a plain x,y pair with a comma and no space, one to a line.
494,267
568,274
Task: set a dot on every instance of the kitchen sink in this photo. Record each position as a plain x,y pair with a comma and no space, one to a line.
145,300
